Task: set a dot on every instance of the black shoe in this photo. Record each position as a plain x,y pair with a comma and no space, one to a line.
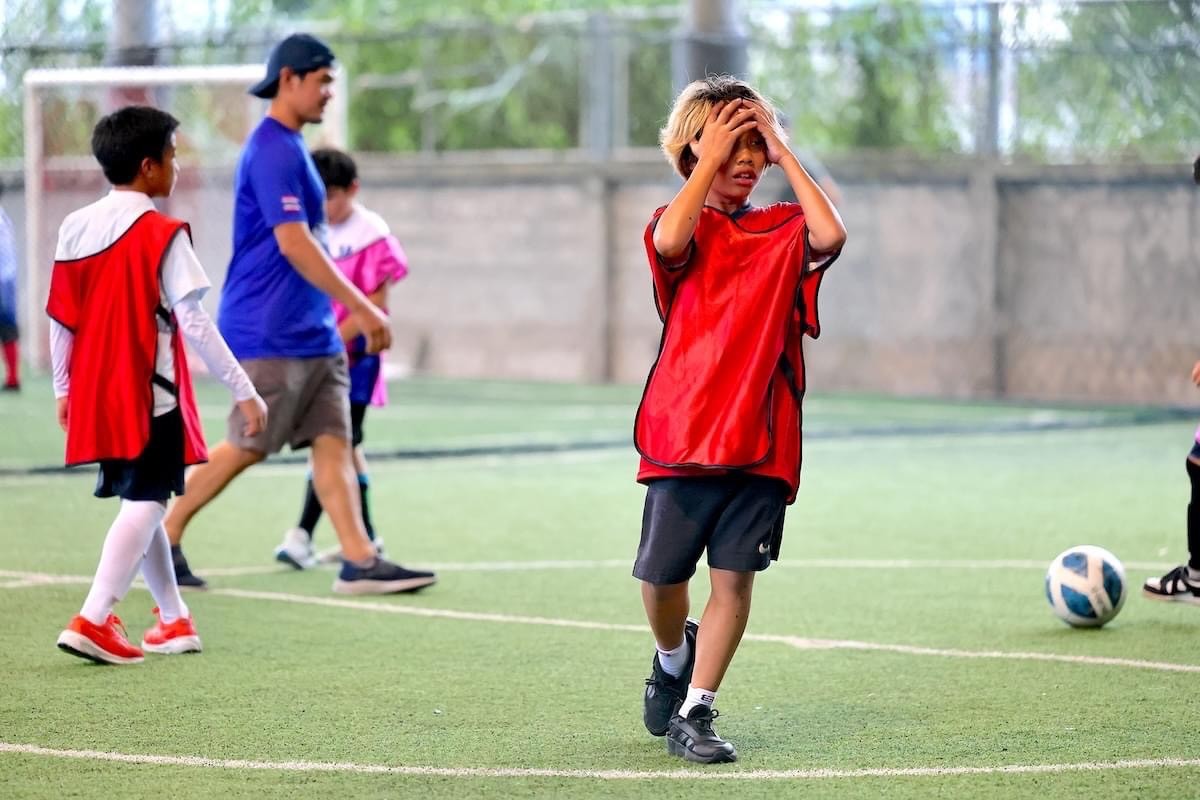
382,577
12,387
664,693
693,738
183,573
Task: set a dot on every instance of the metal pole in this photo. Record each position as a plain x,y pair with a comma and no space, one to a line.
133,39
596,109
989,144
37,352
711,42
132,43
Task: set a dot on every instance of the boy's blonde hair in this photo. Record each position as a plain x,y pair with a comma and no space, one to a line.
691,111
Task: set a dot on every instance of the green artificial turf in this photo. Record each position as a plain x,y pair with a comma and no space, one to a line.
530,652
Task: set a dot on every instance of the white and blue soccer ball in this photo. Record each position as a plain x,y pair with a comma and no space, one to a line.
1086,586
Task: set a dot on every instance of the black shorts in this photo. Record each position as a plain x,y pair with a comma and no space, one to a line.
357,412
156,473
737,517
9,332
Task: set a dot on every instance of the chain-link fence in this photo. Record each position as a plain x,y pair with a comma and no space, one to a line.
965,277
1045,81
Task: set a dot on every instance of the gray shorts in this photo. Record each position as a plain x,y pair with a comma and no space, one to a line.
306,397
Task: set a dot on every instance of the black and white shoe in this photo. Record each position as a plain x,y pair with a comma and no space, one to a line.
1176,585
693,738
664,692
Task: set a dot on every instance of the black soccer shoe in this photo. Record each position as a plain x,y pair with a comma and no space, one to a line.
693,738
183,573
664,693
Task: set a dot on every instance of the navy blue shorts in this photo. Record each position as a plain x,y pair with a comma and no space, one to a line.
737,517
156,473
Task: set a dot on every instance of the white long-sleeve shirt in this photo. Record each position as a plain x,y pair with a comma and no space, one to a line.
183,283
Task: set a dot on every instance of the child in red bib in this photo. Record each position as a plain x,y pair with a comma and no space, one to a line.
124,293
718,427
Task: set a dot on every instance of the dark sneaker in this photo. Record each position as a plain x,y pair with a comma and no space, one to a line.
693,738
664,693
1175,585
183,573
383,577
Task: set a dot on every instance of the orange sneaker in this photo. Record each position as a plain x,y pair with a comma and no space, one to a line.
104,644
171,638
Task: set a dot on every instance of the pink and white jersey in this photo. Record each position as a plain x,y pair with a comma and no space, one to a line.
370,257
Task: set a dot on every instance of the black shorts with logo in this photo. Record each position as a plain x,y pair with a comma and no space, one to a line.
737,517
153,475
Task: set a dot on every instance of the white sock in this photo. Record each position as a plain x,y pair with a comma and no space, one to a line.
697,697
1193,574
674,661
159,572
124,547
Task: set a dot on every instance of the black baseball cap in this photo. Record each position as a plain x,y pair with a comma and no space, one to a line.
301,52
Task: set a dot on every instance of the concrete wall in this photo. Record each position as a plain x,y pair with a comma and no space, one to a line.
960,280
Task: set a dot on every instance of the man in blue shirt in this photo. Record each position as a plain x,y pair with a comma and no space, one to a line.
276,316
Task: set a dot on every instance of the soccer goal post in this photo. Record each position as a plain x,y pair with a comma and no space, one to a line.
216,115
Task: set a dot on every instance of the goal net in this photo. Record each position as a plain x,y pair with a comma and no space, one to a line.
216,115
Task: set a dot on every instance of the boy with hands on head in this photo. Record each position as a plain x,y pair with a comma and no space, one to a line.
718,428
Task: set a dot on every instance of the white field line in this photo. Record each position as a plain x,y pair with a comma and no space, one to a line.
35,578
710,774
800,643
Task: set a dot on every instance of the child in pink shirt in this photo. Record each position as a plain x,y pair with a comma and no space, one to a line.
365,251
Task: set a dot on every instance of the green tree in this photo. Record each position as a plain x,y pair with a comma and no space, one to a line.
454,74
863,77
39,34
1121,82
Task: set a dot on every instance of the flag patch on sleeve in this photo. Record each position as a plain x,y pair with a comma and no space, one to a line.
291,203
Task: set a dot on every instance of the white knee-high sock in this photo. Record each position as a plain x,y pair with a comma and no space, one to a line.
159,573
124,547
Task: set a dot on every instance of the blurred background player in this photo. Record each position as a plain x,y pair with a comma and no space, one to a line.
718,428
364,250
275,314
126,284
1182,584
9,333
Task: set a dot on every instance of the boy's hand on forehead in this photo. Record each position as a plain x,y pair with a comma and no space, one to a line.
725,124
774,137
